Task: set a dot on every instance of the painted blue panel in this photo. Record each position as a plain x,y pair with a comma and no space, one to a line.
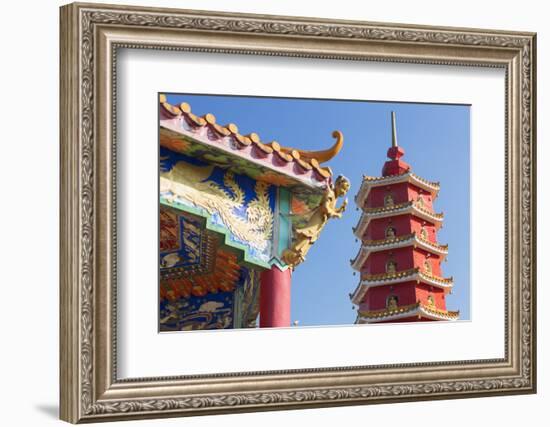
212,311
190,242
235,204
221,310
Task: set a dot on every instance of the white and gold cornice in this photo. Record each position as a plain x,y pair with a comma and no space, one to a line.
410,207
375,181
411,310
410,275
412,239
360,258
405,276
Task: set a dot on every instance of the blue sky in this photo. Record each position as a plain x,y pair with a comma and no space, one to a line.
436,140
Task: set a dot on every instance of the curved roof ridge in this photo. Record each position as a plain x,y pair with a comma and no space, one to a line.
305,162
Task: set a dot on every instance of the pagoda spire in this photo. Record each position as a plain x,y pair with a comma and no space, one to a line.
393,130
395,166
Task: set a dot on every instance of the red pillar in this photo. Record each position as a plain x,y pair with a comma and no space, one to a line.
275,298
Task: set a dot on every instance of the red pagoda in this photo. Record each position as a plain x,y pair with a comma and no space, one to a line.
400,259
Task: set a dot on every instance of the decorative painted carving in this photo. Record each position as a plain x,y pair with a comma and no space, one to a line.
306,236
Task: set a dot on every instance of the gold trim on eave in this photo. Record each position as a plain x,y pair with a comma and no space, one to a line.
306,159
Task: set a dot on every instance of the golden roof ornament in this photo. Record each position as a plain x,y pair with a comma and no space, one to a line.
306,236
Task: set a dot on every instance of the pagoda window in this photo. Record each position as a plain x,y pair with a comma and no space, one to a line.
424,233
388,200
390,232
431,301
391,266
420,201
427,266
391,302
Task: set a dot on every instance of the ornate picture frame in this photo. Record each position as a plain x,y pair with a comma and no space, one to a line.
90,37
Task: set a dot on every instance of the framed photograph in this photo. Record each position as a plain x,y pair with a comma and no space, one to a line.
267,212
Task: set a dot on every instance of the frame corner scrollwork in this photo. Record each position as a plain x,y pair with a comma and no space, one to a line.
88,366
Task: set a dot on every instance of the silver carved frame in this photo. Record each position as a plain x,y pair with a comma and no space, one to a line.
90,36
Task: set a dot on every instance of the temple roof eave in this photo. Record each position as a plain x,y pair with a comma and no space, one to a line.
320,156
412,310
359,259
370,182
363,286
372,246
402,209
300,165
413,274
357,295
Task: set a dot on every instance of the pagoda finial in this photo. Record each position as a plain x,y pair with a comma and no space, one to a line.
395,165
393,130
395,151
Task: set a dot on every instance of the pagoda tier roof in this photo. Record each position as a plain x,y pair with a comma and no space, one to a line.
379,181
410,207
410,275
406,275
370,246
405,311
184,132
